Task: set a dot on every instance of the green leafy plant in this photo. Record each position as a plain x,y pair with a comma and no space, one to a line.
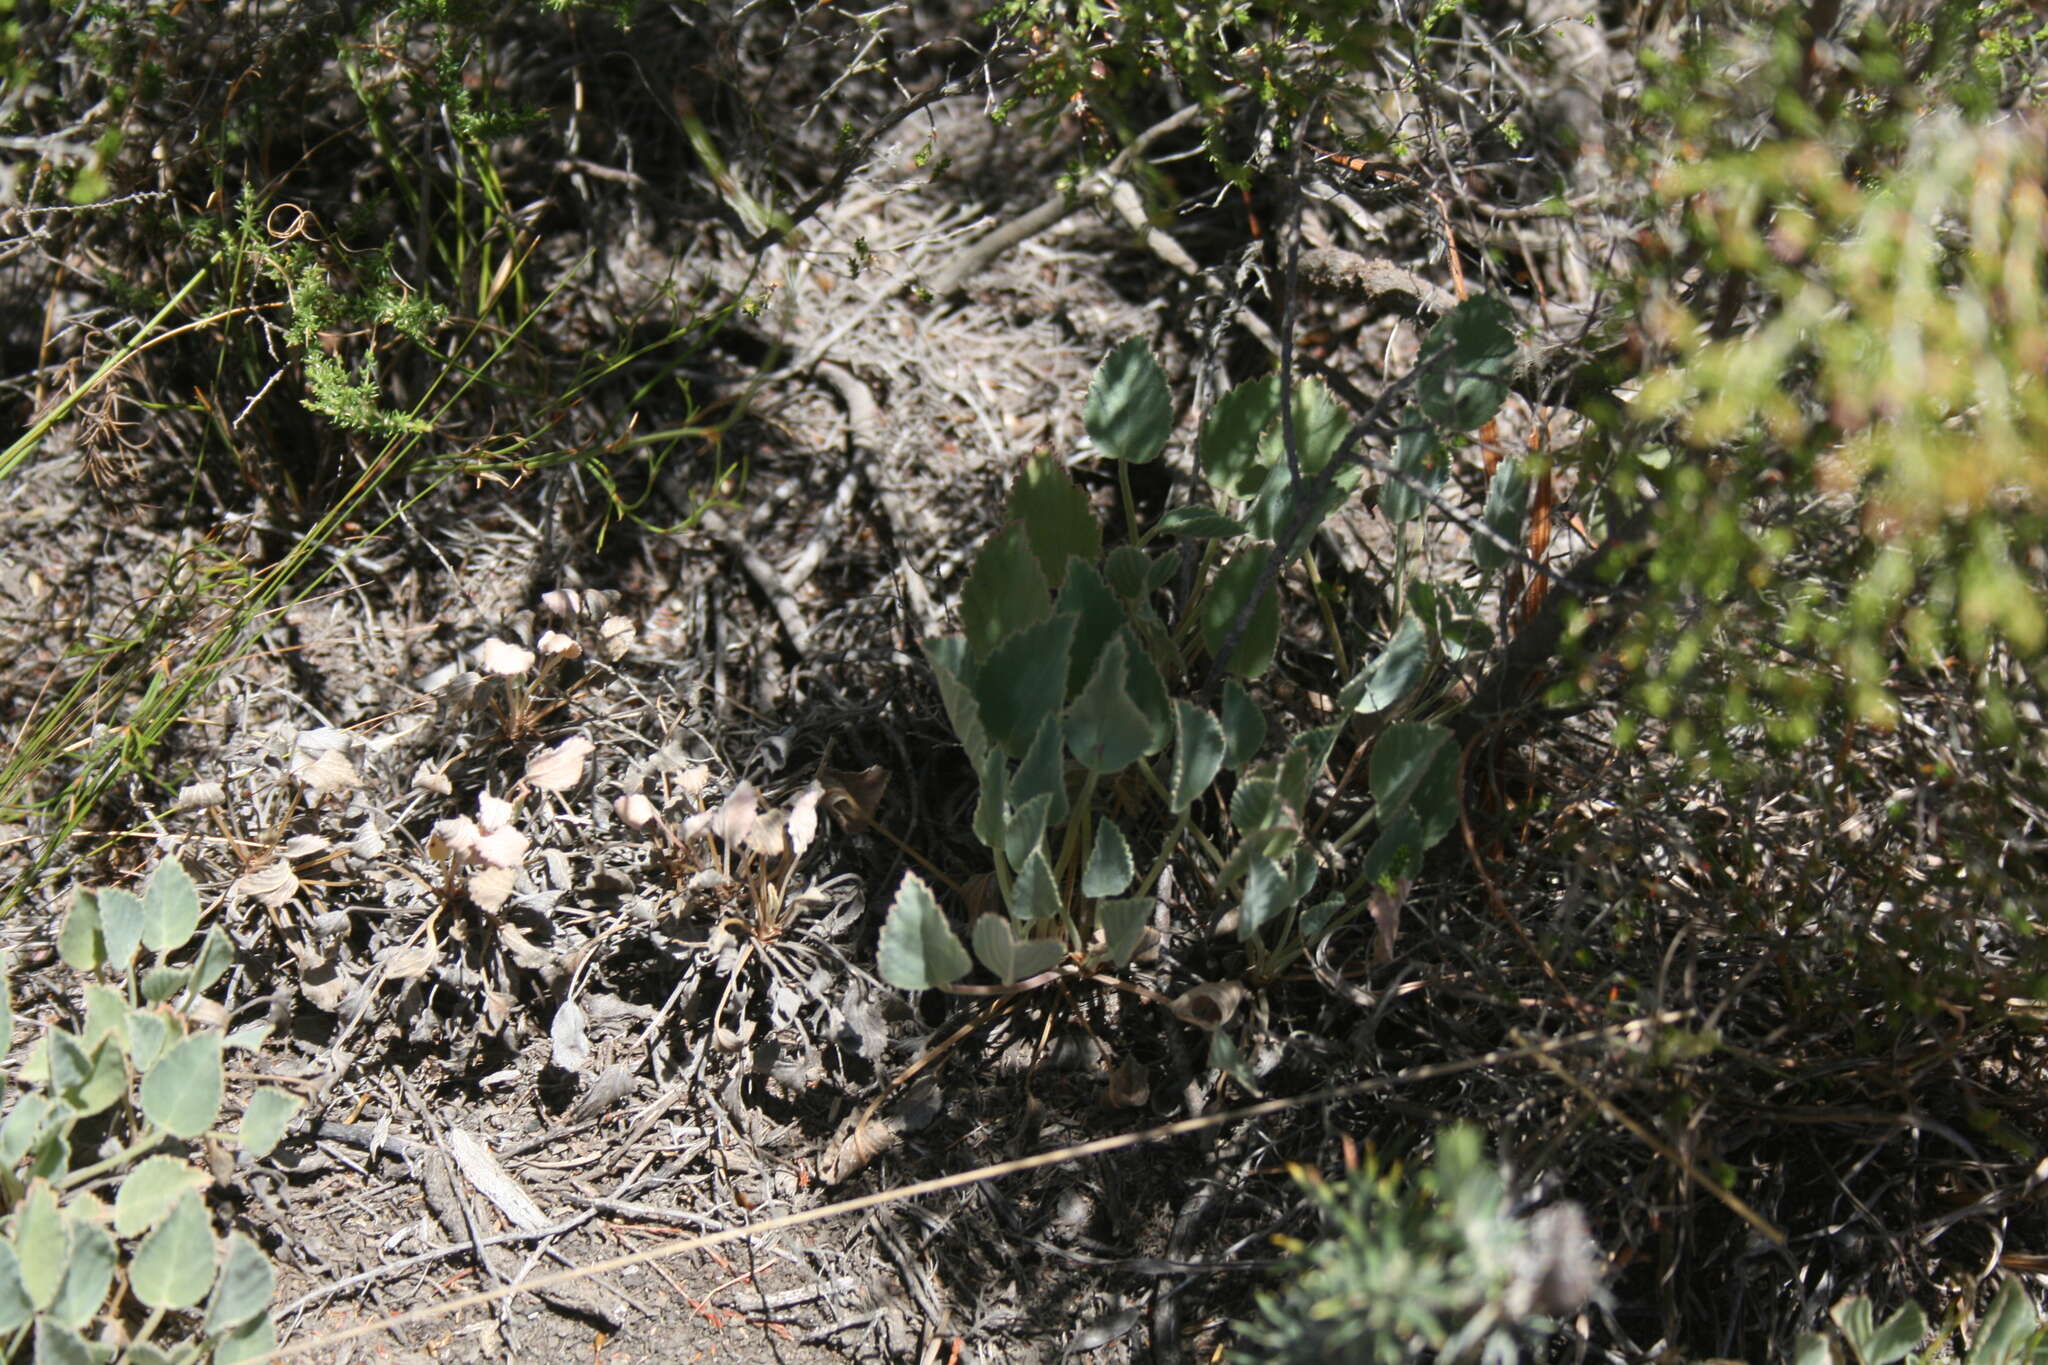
1438,1263
107,1222
2009,1332
1104,696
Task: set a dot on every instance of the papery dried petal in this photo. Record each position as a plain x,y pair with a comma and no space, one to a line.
635,810
553,643
505,660
492,887
560,768
492,812
803,818
615,637
502,847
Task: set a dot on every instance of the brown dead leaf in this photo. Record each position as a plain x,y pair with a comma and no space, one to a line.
853,798
1209,1005
1386,919
402,961
1130,1085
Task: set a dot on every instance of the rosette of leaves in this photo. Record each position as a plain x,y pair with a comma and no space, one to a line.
108,1249
1077,684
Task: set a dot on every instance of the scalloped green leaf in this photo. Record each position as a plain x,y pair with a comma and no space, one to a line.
151,1190
1507,503
1106,730
1320,425
216,955
265,1118
1044,772
1010,958
919,950
1229,446
88,1275
1023,682
121,925
255,1339
1198,752
148,1034
1461,374
1005,593
1396,672
79,942
57,1344
1034,894
1414,768
1419,459
170,908
991,808
1233,586
1058,522
41,1243
1123,925
173,1265
1244,726
182,1092
1025,829
244,1288
1110,869
1197,523
1129,413
954,667
15,1305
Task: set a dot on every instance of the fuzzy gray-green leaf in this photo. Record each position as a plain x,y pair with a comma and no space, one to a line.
1507,500
1198,752
263,1122
1110,869
1229,447
151,1190
1013,959
1034,895
1129,413
1058,522
1123,925
182,1092
87,1276
170,908
79,942
42,1244
1232,587
244,1288
1023,681
1244,726
1005,593
1106,730
173,1266
919,950
15,1307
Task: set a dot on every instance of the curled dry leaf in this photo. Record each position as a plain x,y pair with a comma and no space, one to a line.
1209,1005
369,842
403,961
492,887
200,796
1386,919
504,659
1130,1085
853,797
734,820
329,773
692,781
301,846
635,810
568,1040
803,819
560,768
272,884
615,638
454,838
553,643
428,778
768,834
562,601
492,812
504,848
